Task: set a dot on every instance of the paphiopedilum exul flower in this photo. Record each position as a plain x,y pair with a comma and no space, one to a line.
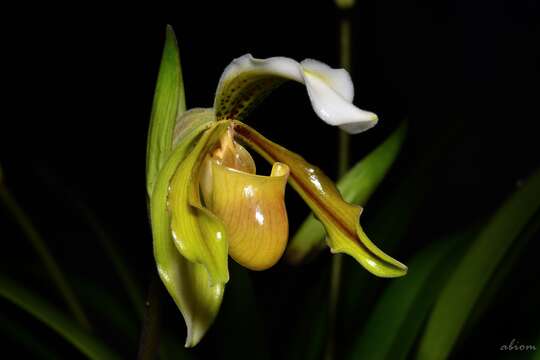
207,202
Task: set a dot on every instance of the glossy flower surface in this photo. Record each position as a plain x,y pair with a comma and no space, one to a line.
207,202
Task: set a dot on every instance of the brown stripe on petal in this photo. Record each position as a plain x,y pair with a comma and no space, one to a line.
340,218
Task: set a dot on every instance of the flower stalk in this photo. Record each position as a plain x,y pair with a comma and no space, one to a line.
151,329
343,166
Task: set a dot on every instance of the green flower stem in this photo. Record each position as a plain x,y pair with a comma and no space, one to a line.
44,254
345,61
343,166
151,330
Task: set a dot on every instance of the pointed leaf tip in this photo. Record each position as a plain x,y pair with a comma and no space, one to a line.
169,103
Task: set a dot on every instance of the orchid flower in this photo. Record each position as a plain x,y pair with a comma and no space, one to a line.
207,202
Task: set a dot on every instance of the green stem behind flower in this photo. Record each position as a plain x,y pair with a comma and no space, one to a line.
343,166
150,332
44,254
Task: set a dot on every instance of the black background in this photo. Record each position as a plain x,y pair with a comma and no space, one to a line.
75,122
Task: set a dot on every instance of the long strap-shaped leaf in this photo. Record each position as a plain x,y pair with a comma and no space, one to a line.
536,355
472,274
169,103
51,265
53,318
25,336
394,323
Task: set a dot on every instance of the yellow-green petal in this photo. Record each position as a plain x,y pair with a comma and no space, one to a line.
186,282
198,234
340,219
356,187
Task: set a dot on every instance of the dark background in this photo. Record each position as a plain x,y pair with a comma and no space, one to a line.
464,74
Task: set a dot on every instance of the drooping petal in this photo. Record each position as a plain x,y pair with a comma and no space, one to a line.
253,210
187,282
356,187
247,81
340,219
198,234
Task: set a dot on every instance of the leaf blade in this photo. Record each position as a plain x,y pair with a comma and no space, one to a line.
169,103
397,317
50,316
465,285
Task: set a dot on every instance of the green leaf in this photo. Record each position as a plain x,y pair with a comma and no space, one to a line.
395,321
356,187
389,222
169,104
472,274
497,289
50,316
536,355
312,320
24,336
110,311
42,250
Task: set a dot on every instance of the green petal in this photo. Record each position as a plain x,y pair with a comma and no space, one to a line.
340,219
198,234
356,187
472,274
169,103
186,282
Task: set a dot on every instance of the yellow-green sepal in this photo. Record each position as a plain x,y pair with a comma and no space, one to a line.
198,234
356,187
186,282
169,104
340,219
